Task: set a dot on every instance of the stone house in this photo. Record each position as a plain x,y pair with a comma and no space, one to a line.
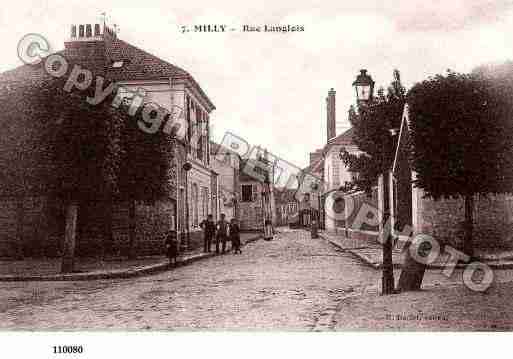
34,225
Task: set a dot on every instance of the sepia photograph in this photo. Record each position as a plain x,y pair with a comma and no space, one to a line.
255,167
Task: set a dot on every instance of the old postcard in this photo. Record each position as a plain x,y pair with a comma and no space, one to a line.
270,166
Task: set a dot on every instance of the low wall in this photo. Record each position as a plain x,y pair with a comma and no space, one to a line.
443,219
42,221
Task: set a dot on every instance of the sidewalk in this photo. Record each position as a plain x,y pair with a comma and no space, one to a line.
454,308
48,269
371,253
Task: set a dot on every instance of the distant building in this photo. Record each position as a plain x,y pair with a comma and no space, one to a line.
227,165
326,164
256,193
287,206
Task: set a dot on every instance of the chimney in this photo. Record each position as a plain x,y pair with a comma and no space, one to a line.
314,156
87,45
331,118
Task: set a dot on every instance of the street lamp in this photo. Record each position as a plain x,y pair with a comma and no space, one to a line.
186,168
364,86
388,285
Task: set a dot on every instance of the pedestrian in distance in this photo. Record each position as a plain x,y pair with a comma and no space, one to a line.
235,236
172,247
209,231
222,233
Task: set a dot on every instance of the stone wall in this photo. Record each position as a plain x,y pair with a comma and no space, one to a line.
38,230
152,224
443,219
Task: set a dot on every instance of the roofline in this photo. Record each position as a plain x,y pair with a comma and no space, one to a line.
197,87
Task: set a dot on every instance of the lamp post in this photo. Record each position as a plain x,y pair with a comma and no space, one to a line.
364,87
186,168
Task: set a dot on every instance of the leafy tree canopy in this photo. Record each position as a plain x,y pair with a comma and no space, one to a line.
372,124
461,132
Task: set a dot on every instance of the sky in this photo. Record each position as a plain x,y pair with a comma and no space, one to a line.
270,88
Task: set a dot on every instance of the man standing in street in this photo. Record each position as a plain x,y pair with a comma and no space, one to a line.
209,229
222,233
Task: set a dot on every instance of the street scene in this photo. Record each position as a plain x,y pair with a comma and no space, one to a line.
292,283
205,183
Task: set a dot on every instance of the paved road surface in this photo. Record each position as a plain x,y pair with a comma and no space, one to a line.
293,282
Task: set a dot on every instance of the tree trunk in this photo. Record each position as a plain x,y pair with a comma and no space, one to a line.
388,282
70,233
131,229
106,245
412,273
468,247
20,214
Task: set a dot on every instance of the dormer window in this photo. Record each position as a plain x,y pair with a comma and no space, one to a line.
117,64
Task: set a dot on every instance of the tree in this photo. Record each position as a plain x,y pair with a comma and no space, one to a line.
372,124
58,145
461,138
71,149
146,168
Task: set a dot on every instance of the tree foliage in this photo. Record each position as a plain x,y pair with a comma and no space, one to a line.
372,123
55,143
461,134
147,164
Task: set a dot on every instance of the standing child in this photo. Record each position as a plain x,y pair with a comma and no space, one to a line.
235,236
172,247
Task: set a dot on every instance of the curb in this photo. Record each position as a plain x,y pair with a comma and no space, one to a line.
378,265
114,274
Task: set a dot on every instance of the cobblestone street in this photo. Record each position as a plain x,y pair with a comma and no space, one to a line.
293,282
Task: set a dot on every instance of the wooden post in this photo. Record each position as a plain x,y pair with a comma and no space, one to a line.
68,257
388,266
131,229
468,247
20,214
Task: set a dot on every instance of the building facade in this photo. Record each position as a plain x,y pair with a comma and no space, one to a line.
226,164
140,78
256,193
286,206
327,167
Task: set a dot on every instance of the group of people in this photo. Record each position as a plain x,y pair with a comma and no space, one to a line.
223,231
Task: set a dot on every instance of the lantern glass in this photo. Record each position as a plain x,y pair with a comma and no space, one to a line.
363,92
364,86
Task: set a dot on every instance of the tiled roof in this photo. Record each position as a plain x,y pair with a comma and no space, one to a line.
137,64
345,138
141,65
98,57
